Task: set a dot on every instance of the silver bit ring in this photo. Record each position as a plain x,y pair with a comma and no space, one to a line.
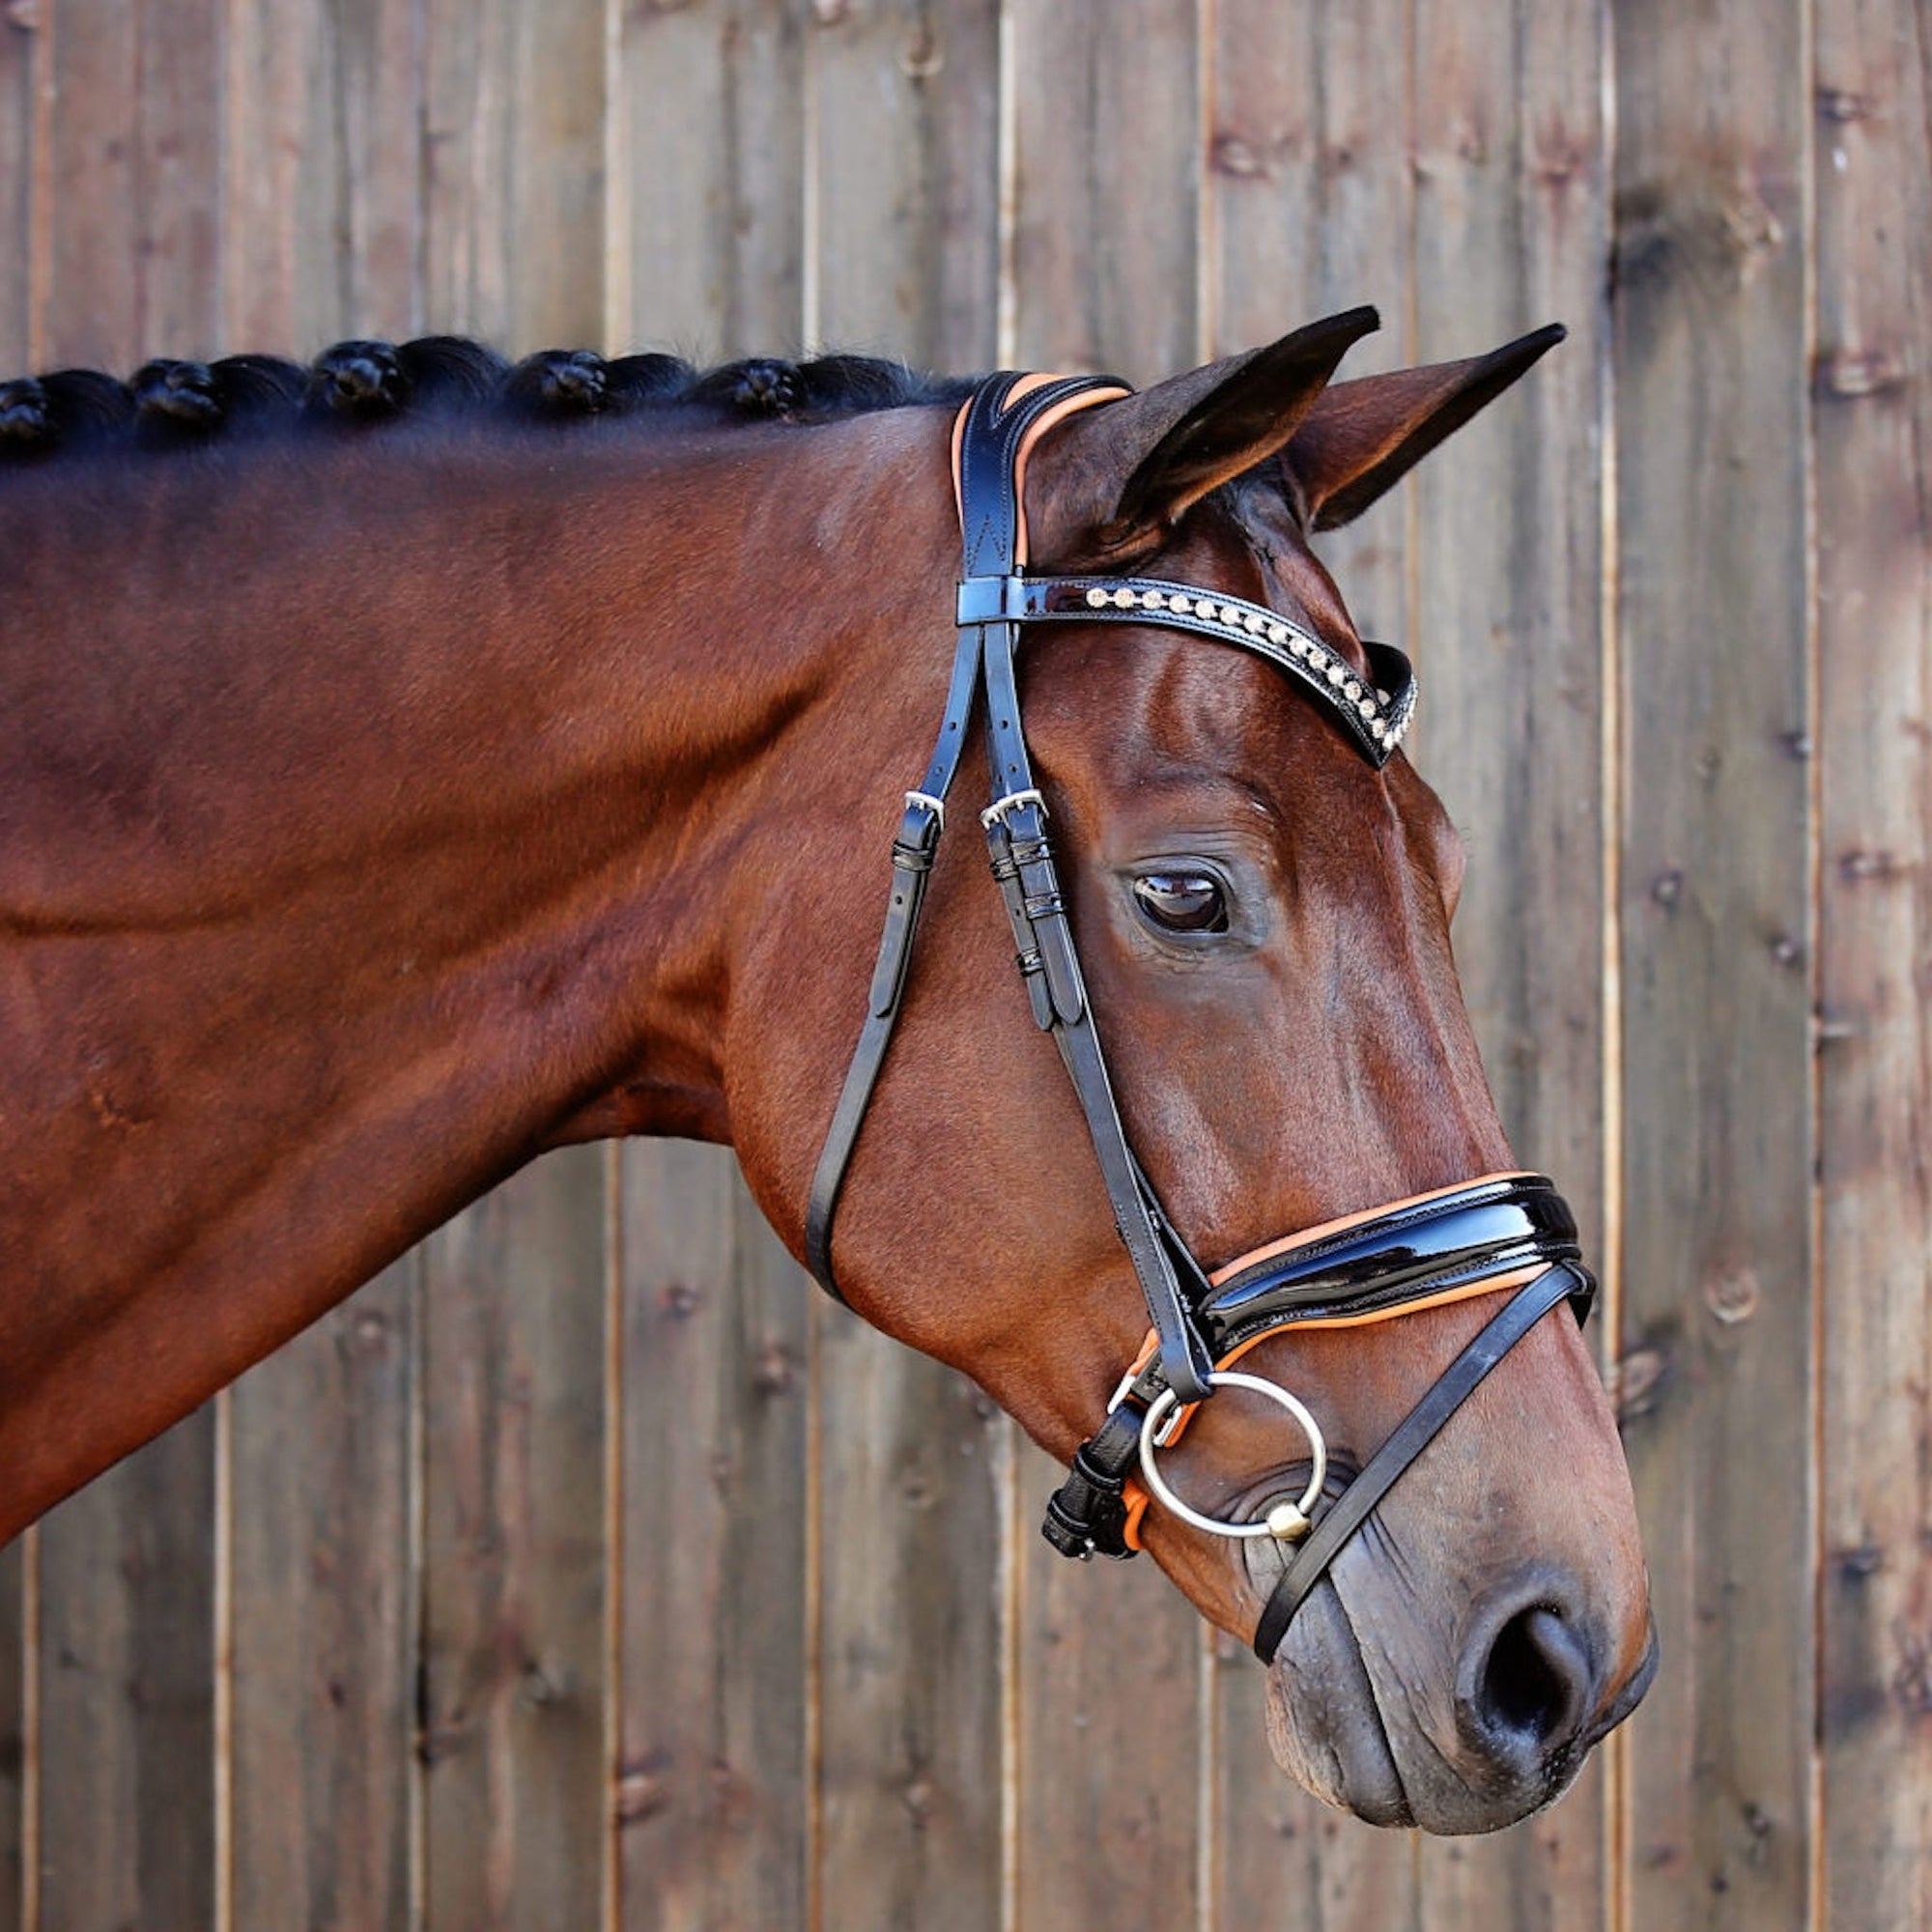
1288,1522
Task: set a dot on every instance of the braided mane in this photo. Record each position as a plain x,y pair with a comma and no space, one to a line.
173,405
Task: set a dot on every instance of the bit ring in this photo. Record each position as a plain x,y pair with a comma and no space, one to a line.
1288,1522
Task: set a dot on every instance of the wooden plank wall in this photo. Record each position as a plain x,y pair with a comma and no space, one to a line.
587,1569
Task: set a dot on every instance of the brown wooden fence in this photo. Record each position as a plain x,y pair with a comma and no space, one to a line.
587,1570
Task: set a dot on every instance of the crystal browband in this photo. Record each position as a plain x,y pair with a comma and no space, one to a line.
1375,709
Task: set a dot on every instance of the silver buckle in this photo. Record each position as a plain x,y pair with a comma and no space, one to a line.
996,813
935,806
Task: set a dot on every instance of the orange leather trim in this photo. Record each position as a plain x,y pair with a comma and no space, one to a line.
1468,1292
1052,419
1344,1221
1137,1497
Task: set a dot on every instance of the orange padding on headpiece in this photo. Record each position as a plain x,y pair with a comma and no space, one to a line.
1052,419
1135,1494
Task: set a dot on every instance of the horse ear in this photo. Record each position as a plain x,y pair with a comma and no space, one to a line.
1360,439
1116,477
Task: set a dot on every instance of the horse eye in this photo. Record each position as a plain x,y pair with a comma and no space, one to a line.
1182,902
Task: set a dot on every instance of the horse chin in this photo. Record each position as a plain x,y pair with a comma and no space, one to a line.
1323,1725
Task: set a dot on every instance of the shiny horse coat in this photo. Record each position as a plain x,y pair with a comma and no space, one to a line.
414,763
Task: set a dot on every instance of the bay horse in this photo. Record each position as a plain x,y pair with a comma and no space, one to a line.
412,764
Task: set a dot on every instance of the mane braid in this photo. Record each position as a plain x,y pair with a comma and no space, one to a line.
357,386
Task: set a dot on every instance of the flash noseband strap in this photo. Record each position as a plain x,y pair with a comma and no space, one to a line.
1412,1435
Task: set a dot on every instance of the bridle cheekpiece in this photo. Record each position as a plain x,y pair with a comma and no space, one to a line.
1478,1238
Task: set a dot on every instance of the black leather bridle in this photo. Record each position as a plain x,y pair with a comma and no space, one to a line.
1502,1230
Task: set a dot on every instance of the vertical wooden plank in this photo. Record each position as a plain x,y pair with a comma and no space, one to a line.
514,1554
324,1626
323,203
712,124
127,1662
1511,222
515,1507
12,1736
321,237
713,1764
909,1650
1107,110
1709,354
126,1659
136,172
1108,135
20,30
515,107
1311,189
908,171
1873,417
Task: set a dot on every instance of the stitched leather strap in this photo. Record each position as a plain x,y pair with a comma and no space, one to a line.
992,527
914,849
1411,1435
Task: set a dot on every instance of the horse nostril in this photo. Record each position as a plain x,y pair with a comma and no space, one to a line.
1532,1690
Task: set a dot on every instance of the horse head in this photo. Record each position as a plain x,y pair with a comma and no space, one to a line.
1255,907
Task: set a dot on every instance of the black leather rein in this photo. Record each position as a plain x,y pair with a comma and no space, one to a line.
1444,1246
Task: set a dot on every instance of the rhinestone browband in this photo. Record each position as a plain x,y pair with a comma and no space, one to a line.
1377,709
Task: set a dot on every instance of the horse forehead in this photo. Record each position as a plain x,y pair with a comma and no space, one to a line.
1128,708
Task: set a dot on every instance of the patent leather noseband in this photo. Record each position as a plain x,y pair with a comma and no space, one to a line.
1480,1238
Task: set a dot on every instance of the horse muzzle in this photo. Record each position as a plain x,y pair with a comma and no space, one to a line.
1506,1231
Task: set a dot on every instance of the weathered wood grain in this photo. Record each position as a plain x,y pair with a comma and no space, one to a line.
715,1806
1109,1693
710,229
1709,378
13,1666
127,1662
20,46
134,258
1873,418
514,1554
515,102
1311,196
1311,190
909,1615
324,1620
1107,113
1510,231
323,215
906,166
714,1774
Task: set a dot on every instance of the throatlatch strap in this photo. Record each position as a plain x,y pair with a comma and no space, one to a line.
1411,1435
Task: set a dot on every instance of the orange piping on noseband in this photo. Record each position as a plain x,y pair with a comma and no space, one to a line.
1135,1494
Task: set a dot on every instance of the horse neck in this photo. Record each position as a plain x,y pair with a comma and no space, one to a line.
377,821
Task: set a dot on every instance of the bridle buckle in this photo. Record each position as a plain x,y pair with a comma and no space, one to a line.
1002,809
